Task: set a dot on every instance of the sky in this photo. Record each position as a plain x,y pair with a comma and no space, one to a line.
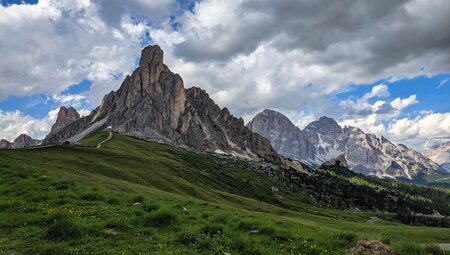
380,65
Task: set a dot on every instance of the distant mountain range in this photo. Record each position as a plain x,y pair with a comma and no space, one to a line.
440,154
324,139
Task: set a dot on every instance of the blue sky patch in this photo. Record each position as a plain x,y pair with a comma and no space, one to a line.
433,93
39,105
10,2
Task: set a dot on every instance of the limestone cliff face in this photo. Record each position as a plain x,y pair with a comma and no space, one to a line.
324,140
285,137
65,117
153,104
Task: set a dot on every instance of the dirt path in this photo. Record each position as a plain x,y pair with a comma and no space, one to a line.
107,139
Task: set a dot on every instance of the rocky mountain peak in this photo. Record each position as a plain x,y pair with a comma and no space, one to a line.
152,104
340,161
271,120
439,153
152,54
324,126
285,137
66,115
325,140
338,165
4,144
21,141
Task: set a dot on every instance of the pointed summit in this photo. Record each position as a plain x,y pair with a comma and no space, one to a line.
65,117
152,104
325,126
152,54
24,141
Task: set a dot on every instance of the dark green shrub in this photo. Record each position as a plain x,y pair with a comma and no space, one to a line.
138,199
92,196
159,219
63,228
187,238
247,225
61,185
212,230
434,250
113,201
207,244
346,238
151,207
220,219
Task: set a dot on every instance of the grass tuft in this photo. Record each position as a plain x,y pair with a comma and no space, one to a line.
160,219
63,228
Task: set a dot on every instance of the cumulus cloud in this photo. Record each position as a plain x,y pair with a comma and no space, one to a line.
14,123
380,90
422,130
51,45
371,117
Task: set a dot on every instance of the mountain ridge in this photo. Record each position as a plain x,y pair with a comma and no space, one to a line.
325,139
21,141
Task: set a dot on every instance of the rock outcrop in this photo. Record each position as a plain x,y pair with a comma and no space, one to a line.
153,104
285,137
440,154
22,141
338,165
324,139
4,144
65,117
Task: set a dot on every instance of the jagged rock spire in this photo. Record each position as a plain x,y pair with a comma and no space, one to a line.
65,117
153,104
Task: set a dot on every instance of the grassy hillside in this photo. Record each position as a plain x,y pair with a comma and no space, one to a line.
136,197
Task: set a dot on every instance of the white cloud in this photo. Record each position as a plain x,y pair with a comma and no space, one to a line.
400,104
14,123
84,112
422,131
371,117
369,124
380,90
426,126
51,45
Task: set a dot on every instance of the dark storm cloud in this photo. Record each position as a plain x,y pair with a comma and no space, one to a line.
375,35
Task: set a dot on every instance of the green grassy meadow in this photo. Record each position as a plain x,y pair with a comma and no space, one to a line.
137,197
